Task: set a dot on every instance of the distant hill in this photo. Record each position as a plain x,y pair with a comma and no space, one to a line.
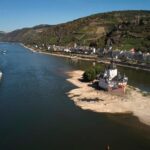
2,34
121,29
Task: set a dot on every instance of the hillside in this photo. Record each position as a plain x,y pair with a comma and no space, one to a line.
121,29
2,34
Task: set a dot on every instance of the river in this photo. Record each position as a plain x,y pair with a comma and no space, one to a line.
36,114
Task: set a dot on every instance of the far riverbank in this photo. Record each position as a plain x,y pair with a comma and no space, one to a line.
94,59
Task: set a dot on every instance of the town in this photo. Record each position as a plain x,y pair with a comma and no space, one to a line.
132,58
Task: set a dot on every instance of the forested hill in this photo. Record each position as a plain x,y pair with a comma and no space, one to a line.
122,29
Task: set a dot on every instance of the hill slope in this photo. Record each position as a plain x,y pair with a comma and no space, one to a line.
2,34
122,29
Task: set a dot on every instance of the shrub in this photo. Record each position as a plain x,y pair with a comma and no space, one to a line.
89,75
97,69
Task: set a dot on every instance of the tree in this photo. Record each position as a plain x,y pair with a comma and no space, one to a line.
93,44
97,69
89,75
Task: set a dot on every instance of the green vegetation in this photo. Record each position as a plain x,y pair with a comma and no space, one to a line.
123,29
97,69
91,73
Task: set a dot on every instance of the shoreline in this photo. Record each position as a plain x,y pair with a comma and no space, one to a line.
86,59
87,98
58,55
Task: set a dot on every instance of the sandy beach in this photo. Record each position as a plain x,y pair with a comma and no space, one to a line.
88,98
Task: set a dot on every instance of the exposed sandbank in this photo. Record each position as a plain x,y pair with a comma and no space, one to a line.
89,98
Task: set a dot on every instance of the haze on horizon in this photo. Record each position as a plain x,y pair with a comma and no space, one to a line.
27,13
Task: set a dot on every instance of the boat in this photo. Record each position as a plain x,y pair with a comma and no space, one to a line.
111,79
0,75
3,52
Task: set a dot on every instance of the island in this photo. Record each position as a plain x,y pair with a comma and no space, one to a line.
88,98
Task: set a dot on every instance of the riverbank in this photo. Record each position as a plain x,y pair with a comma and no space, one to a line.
58,55
84,57
31,49
87,98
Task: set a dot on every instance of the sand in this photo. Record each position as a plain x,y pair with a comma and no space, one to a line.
88,98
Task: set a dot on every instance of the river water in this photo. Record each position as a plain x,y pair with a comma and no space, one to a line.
36,114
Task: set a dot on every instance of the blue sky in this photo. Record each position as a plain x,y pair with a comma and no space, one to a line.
16,14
